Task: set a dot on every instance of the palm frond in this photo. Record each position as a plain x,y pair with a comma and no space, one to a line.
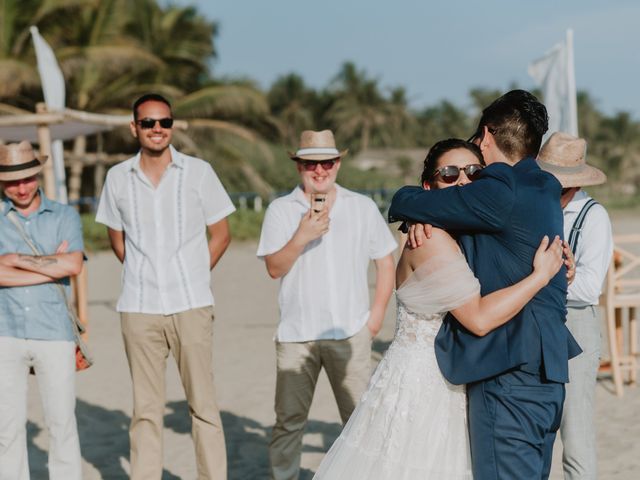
225,101
16,76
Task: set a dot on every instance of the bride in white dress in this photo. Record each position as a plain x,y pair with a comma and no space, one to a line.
411,423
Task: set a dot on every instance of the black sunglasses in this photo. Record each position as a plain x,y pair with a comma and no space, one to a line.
451,173
479,134
147,123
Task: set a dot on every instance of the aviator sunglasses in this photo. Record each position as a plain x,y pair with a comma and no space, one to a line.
451,173
310,165
147,123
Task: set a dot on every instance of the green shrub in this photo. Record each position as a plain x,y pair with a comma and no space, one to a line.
95,234
245,224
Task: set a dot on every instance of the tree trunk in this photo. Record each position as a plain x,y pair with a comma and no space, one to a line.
75,171
364,138
99,168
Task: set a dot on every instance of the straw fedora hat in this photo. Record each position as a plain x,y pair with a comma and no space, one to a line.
563,155
18,160
317,146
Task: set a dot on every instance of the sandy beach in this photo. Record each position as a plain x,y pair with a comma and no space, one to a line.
244,363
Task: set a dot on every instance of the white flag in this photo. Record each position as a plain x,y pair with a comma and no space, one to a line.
554,72
53,89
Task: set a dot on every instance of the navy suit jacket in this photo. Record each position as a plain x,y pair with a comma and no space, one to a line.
500,219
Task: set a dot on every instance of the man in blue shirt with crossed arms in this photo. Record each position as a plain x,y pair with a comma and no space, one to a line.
35,328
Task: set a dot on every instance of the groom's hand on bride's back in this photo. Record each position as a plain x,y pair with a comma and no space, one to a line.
417,233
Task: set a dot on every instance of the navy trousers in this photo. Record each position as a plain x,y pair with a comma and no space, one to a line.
513,419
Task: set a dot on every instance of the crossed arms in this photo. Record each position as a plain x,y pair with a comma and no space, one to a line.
18,269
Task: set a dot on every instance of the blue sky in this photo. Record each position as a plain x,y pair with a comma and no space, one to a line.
437,50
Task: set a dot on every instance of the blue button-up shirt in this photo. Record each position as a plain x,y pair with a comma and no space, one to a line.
38,311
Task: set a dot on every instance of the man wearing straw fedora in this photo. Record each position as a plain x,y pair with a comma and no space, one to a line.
588,230
35,331
319,240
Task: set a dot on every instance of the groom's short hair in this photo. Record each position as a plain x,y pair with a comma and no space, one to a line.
517,120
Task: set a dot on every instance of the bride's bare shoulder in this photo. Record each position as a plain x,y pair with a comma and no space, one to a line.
440,243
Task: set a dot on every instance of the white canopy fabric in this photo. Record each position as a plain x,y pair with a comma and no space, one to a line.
66,130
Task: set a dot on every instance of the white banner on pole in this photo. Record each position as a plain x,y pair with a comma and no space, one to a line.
53,89
555,73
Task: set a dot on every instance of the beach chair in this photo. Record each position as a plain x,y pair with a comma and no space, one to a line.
621,300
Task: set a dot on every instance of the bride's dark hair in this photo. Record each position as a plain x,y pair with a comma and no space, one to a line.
442,147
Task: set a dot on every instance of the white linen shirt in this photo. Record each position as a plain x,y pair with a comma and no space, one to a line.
325,295
593,255
166,263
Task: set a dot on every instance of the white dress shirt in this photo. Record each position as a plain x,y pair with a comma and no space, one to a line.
166,263
593,255
325,295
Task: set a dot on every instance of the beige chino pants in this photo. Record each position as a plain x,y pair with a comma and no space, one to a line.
148,340
348,366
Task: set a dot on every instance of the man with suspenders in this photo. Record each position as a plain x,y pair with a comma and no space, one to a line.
587,229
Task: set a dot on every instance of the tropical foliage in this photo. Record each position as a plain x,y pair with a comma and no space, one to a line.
111,51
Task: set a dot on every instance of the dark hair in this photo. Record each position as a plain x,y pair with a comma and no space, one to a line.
148,97
517,120
442,147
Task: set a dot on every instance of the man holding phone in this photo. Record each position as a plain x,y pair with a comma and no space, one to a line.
318,240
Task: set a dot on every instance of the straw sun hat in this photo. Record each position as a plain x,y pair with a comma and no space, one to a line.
317,146
18,160
563,155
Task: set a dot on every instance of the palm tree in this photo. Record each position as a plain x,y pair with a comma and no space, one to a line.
291,102
104,65
218,115
401,121
18,74
180,38
359,111
480,99
444,120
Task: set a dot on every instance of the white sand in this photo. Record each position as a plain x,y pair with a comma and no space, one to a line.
244,361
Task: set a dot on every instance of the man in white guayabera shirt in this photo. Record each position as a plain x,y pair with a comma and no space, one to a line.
156,206
319,240
588,230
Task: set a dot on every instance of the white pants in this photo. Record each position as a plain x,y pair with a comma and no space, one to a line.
54,364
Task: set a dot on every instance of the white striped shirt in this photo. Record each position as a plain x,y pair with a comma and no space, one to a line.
166,264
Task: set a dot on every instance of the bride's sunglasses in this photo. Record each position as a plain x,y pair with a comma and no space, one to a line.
451,173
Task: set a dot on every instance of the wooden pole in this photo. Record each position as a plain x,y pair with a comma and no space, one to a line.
75,172
44,139
80,289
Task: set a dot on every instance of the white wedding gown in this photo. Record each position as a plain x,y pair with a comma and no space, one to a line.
411,423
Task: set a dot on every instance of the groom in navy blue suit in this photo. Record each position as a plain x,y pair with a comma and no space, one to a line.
515,375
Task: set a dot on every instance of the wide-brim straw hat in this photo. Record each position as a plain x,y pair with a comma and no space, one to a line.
317,146
18,160
563,155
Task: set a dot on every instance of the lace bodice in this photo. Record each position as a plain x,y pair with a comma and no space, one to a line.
415,328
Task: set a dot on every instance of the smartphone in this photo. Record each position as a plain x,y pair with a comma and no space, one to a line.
318,202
